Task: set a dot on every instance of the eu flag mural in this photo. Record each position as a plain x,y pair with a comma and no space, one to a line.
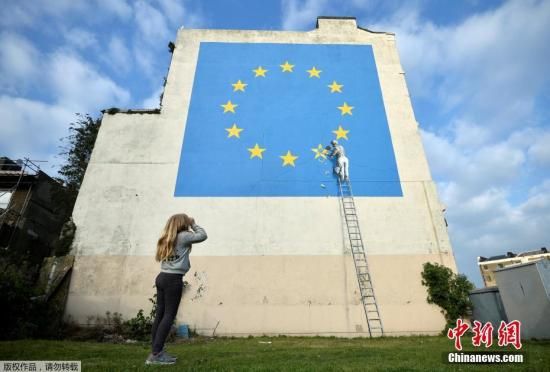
261,115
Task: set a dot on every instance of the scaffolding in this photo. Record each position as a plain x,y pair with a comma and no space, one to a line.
15,177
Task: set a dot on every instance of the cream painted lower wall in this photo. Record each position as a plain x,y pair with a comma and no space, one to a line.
292,295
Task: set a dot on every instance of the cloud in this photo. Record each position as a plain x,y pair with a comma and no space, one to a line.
477,184
474,169
178,14
118,56
153,101
485,137
81,38
173,10
539,151
488,224
32,128
491,65
298,15
20,62
65,77
157,22
18,14
151,23
31,13
118,7
80,87
145,61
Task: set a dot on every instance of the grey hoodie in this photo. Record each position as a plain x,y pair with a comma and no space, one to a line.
179,262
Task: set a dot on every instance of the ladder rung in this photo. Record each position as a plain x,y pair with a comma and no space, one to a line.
360,258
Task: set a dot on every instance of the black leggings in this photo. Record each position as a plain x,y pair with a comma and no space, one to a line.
169,291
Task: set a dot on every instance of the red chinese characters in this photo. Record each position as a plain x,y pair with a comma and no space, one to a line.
457,332
510,334
482,334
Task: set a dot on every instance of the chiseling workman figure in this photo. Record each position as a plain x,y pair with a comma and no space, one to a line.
342,163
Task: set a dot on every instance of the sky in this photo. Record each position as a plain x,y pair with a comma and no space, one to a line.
477,72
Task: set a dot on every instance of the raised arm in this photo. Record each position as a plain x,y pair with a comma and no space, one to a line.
196,236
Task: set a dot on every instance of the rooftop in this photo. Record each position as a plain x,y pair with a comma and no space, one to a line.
542,250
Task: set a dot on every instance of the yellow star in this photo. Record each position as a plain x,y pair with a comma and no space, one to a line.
234,131
335,87
320,152
229,106
314,72
256,151
260,71
341,133
288,159
239,85
287,67
345,109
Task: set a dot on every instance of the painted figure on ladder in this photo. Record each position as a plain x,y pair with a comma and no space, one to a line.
341,168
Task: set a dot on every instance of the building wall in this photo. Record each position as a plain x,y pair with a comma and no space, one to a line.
488,268
487,306
270,265
525,293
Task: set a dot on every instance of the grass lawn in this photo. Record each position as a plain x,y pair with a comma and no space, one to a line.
274,354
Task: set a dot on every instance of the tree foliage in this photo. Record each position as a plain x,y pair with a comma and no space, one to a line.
447,290
77,152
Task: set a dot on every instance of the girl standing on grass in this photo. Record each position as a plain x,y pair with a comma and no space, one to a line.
173,250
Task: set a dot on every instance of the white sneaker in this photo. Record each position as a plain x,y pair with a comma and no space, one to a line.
160,359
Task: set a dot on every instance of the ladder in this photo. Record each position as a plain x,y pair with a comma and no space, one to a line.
364,280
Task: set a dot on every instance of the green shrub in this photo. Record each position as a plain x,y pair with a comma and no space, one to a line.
447,290
16,290
112,328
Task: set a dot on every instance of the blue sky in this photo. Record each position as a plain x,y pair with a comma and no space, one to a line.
477,72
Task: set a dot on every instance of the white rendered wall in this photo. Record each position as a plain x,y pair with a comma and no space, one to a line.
282,262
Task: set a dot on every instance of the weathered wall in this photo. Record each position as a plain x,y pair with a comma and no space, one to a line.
270,265
525,293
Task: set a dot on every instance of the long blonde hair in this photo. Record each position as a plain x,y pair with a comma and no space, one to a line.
167,241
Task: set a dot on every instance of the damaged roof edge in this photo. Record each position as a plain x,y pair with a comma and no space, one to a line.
116,110
351,18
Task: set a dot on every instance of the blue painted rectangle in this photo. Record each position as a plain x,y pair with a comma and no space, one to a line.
292,110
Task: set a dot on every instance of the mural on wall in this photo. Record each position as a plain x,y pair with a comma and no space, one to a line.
261,116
